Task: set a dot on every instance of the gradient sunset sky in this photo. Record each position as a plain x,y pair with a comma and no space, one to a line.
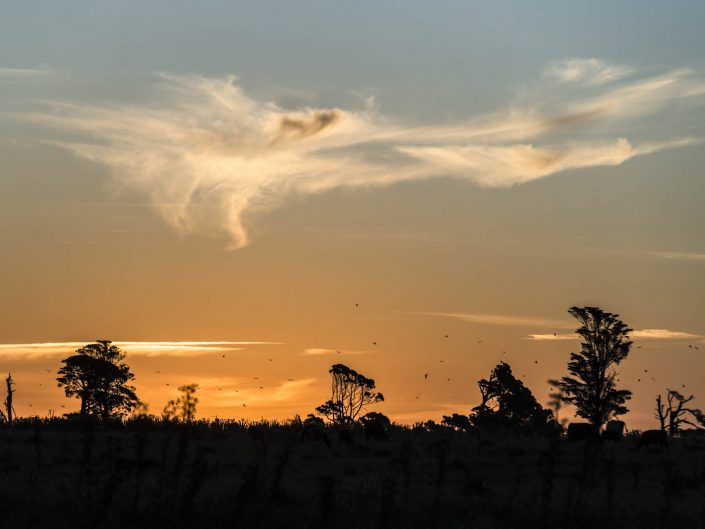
241,194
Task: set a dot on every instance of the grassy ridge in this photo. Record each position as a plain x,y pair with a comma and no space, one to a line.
55,473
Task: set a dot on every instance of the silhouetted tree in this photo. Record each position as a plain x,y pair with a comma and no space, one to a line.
351,392
674,412
9,414
507,403
98,376
591,389
183,408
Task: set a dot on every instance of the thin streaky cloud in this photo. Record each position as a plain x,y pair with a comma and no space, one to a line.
23,72
680,256
319,351
501,319
209,156
643,334
149,349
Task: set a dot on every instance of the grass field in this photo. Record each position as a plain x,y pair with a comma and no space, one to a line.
55,473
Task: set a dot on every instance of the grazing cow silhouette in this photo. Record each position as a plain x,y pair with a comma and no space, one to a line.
614,431
581,431
653,438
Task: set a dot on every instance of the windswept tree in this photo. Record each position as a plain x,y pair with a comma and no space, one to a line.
183,408
98,376
508,404
351,392
591,388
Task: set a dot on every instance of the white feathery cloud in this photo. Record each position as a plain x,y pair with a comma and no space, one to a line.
590,71
210,156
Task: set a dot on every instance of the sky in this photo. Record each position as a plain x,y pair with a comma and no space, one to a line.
240,194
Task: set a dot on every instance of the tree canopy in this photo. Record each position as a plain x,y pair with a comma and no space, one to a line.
350,393
591,388
508,404
98,377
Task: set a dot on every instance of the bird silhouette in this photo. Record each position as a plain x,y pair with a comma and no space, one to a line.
270,359
223,356
291,380
425,375
446,336
48,370
374,343
244,406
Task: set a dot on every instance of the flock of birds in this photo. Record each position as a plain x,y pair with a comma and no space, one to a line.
417,396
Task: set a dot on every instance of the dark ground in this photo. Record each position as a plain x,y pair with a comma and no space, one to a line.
153,474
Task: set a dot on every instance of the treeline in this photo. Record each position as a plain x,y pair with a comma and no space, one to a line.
99,378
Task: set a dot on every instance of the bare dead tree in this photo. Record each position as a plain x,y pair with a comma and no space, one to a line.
9,409
661,413
674,412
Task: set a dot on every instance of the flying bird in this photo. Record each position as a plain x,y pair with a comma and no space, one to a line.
425,375
374,343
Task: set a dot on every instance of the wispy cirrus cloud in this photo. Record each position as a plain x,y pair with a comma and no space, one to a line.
49,349
210,156
643,334
320,351
680,256
23,73
590,71
501,319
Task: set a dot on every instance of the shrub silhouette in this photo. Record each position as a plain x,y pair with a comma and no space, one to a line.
183,408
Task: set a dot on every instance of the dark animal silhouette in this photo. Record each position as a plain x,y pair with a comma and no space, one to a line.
614,431
581,431
653,438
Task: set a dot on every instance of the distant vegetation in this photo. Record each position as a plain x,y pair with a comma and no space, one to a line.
507,463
